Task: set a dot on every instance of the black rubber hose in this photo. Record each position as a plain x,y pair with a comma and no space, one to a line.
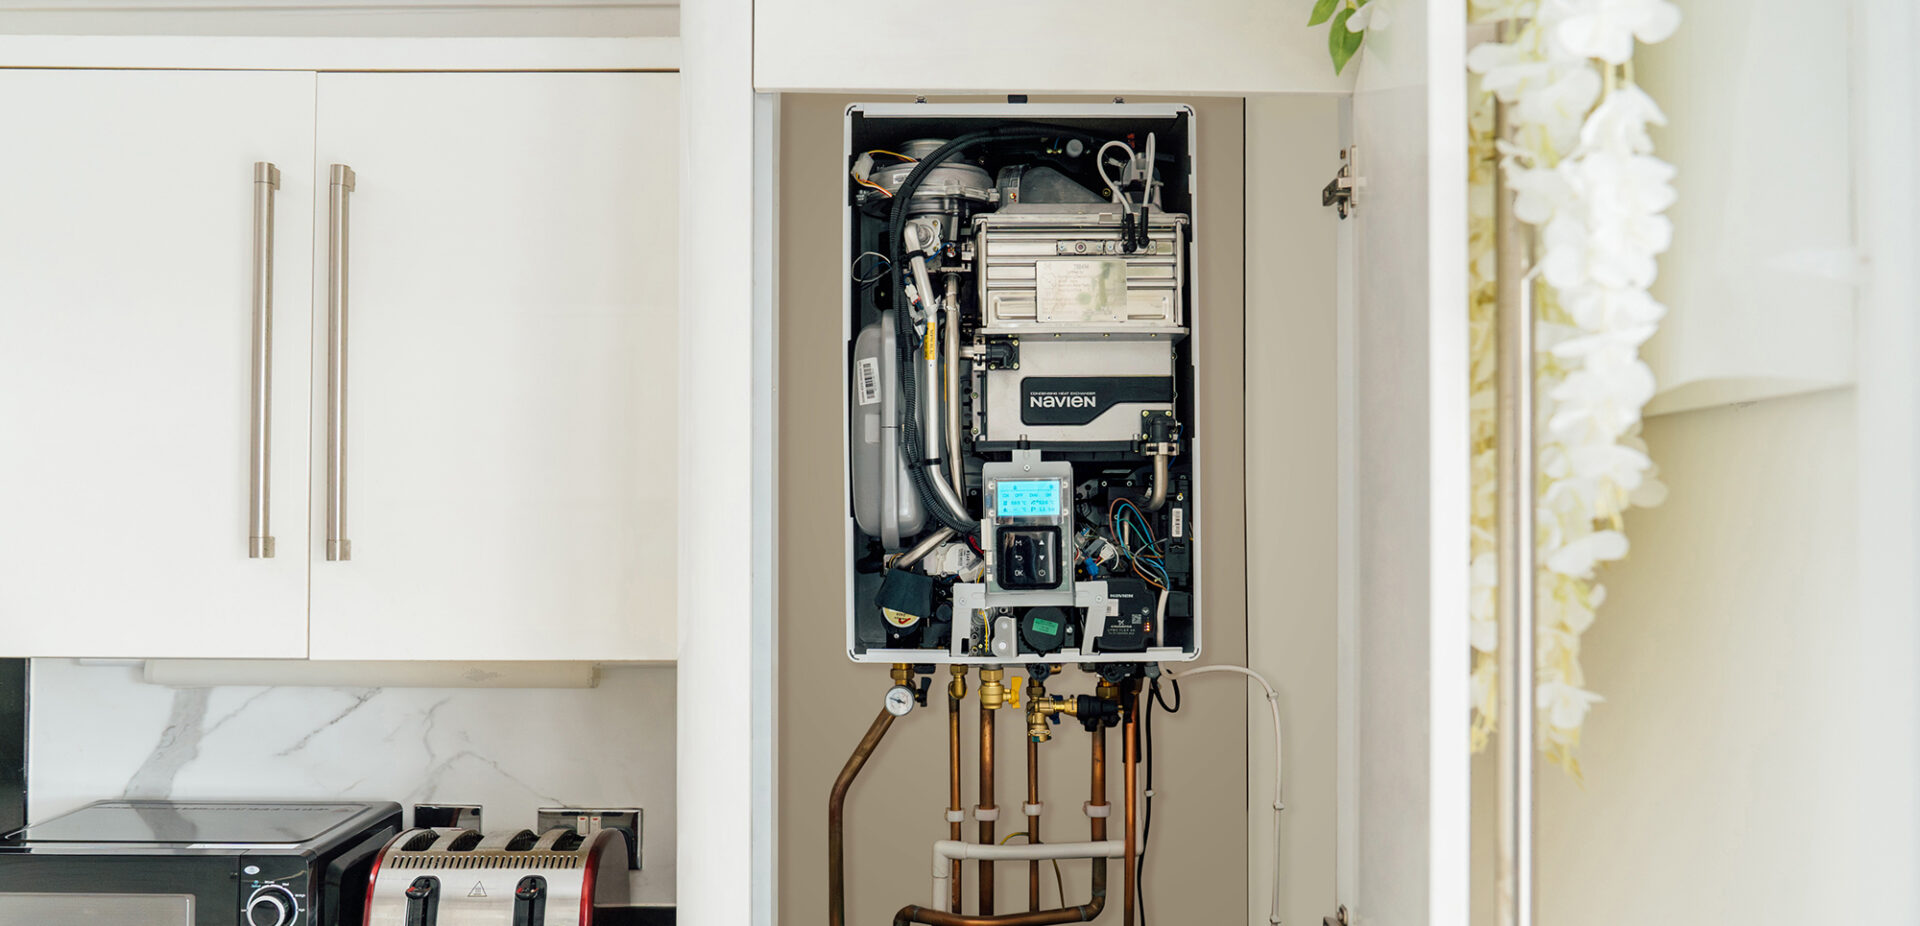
904,328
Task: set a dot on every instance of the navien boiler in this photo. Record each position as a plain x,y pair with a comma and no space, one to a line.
1020,442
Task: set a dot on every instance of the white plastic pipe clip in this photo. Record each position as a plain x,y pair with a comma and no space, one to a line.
956,816
1032,810
986,814
1097,810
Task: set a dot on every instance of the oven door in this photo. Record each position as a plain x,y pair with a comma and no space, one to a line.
37,889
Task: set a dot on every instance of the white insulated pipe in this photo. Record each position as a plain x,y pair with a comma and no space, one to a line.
947,851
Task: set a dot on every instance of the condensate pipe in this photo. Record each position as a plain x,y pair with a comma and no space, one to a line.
836,813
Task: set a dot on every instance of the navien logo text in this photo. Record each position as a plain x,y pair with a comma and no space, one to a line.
1061,400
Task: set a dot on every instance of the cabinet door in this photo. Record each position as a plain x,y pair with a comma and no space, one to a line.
126,316
1404,706
511,367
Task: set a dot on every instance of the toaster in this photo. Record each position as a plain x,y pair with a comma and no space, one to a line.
460,877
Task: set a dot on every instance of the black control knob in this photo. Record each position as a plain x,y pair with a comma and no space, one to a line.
270,906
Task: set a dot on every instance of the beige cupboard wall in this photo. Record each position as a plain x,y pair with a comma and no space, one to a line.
1199,869
1740,769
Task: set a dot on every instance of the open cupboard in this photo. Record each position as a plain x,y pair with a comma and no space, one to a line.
1346,355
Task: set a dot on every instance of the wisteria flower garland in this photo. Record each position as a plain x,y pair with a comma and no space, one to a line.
1582,168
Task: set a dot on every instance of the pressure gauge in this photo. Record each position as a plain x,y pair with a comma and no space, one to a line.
899,700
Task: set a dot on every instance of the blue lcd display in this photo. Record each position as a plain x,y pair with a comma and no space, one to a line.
1027,498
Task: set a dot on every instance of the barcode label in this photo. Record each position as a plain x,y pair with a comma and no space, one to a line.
868,376
1179,522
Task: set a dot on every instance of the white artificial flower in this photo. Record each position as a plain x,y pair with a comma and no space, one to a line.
1484,633
1619,124
1605,29
1578,558
1358,21
1615,463
1566,705
1498,10
1559,107
1608,308
1538,193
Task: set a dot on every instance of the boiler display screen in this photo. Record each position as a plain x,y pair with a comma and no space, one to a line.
1027,498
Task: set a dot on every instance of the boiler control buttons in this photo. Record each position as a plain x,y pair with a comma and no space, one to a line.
899,700
270,906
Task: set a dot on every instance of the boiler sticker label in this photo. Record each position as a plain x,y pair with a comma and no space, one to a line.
868,377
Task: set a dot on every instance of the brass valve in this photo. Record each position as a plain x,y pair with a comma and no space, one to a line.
957,689
903,674
993,694
1039,709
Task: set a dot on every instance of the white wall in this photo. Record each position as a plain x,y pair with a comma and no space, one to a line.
98,731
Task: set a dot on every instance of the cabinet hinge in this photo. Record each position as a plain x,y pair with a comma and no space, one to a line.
1343,191
1339,918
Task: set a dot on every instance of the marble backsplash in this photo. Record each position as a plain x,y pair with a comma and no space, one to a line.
99,731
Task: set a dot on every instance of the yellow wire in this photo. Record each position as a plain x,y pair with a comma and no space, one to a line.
895,154
1059,886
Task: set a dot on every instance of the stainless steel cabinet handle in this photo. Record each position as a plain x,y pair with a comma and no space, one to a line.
339,186
266,179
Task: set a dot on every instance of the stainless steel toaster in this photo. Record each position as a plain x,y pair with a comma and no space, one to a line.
459,877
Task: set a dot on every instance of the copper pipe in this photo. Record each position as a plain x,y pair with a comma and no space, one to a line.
913,913
953,792
986,803
836,812
1033,823
1132,753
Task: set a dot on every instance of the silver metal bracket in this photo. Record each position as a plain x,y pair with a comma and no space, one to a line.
1343,191
1340,918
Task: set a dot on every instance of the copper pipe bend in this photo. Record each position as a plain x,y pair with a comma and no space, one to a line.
836,812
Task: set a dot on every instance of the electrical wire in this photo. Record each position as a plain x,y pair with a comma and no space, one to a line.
880,274
1146,819
1100,164
1273,707
1059,886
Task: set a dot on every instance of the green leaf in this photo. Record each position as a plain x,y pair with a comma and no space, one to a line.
1322,10
1342,44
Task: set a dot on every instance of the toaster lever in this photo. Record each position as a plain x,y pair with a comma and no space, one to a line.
423,901
530,901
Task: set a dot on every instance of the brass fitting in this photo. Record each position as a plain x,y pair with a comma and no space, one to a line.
1107,690
1039,729
903,674
993,694
957,689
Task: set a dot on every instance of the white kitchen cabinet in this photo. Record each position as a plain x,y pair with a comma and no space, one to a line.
509,453
510,427
126,284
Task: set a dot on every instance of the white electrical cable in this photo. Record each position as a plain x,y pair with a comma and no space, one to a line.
1273,706
1146,181
1160,621
1100,164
